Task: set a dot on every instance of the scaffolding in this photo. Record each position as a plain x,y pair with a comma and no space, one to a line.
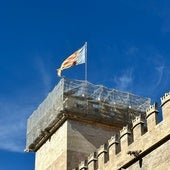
81,97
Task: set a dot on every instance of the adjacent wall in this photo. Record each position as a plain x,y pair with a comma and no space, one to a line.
135,148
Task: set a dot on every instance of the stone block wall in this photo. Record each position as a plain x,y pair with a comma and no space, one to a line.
72,142
51,156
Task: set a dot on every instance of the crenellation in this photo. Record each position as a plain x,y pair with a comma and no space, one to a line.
165,98
125,138
102,149
83,165
113,146
138,127
152,116
137,120
92,157
152,109
92,161
125,130
112,140
165,103
102,156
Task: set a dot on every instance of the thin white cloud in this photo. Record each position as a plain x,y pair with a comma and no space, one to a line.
13,122
44,73
16,108
124,81
160,71
12,136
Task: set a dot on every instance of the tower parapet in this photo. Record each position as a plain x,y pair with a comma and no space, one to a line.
76,99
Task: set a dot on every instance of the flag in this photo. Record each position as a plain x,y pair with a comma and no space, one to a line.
78,57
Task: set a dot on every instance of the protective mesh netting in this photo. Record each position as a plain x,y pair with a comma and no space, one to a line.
80,96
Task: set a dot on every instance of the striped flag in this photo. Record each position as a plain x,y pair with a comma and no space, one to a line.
76,58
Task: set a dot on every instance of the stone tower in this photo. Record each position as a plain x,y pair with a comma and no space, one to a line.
75,119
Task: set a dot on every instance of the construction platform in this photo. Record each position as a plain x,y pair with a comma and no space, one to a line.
76,99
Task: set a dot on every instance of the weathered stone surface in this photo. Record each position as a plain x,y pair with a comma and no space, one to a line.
71,144
83,139
53,154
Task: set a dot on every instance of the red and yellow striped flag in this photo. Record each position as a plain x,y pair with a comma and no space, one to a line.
76,58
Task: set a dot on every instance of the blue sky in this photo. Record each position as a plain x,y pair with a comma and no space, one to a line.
128,49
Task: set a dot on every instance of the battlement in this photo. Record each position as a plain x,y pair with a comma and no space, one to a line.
165,98
76,99
131,147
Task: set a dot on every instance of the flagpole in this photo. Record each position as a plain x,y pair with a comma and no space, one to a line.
86,77
86,62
